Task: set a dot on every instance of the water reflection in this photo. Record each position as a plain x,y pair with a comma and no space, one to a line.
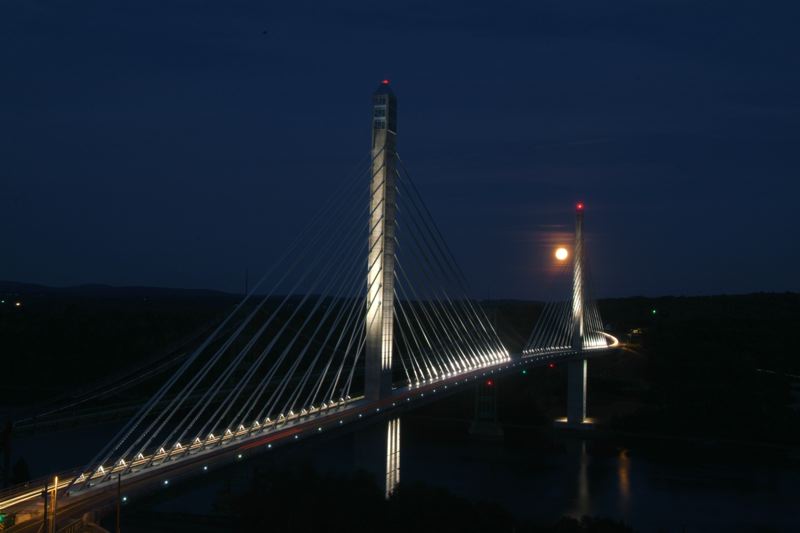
624,480
539,479
392,455
585,501
576,451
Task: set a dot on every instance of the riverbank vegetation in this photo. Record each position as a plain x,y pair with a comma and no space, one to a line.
702,367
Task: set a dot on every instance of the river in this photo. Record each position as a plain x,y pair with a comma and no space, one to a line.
541,475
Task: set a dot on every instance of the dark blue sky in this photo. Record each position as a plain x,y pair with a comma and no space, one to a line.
175,143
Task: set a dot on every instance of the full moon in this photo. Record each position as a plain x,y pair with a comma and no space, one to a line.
561,254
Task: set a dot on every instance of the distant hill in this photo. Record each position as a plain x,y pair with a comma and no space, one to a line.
706,364
96,290
62,339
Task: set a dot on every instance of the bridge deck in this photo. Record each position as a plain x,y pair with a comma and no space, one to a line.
153,472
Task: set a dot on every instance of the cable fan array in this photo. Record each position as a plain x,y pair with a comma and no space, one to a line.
440,331
297,348
558,321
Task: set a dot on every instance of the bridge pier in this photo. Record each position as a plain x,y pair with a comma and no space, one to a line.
576,391
577,374
484,424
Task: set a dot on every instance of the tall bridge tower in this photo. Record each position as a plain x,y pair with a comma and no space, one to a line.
577,368
381,444
237,389
381,258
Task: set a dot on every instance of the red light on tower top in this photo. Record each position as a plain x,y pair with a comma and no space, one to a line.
385,82
579,206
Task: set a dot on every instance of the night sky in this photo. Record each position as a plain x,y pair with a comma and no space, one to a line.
179,143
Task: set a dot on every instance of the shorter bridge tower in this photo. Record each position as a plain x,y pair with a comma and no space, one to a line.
578,366
571,330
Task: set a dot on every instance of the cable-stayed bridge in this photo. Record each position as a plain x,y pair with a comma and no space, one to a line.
365,315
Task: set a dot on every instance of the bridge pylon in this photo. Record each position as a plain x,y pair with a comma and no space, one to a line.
571,330
381,252
381,275
484,423
578,366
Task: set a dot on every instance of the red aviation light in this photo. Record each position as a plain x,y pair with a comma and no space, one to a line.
579,207
489,382
551,365
385,82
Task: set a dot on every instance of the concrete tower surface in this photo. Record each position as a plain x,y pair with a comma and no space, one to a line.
577,282
577,368
381,257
